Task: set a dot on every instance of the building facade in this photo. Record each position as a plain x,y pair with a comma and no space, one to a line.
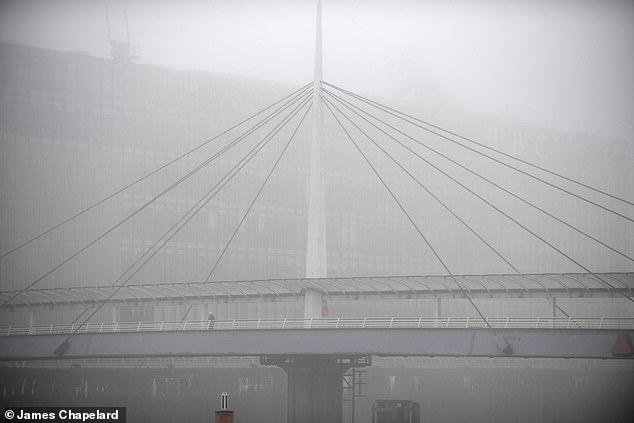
75,129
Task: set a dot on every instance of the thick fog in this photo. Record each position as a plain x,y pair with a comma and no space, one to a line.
565,65
549,82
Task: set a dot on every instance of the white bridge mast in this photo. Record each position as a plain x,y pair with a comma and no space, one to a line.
316,244
316,266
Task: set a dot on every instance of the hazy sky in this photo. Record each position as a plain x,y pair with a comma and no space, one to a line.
559,64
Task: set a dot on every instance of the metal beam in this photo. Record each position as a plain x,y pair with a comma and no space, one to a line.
547,343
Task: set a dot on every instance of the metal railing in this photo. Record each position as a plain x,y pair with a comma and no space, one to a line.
334,323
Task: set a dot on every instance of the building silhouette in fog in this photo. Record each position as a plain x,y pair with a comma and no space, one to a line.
76,128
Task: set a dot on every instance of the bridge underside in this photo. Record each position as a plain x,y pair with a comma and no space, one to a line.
553,343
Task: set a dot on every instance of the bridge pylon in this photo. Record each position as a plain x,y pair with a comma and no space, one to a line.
315,385
316,264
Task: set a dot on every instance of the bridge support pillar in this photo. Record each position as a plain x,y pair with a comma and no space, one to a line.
315,385
314,394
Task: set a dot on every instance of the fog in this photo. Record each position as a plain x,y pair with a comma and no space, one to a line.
564,65
547,82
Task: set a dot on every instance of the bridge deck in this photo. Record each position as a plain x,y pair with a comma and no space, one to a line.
345,340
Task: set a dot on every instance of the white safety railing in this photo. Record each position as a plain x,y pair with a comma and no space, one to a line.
334,323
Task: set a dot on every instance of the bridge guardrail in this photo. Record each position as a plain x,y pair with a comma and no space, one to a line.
333,323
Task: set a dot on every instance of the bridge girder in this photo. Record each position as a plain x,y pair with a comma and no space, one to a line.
547,343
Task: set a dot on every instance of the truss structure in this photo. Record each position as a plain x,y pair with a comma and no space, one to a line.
571,285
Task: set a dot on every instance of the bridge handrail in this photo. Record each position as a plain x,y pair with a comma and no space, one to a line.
331,323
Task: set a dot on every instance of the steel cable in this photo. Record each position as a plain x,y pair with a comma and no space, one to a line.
133,183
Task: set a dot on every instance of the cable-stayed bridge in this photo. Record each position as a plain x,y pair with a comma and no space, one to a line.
541,342
378,137
340,343
586,282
